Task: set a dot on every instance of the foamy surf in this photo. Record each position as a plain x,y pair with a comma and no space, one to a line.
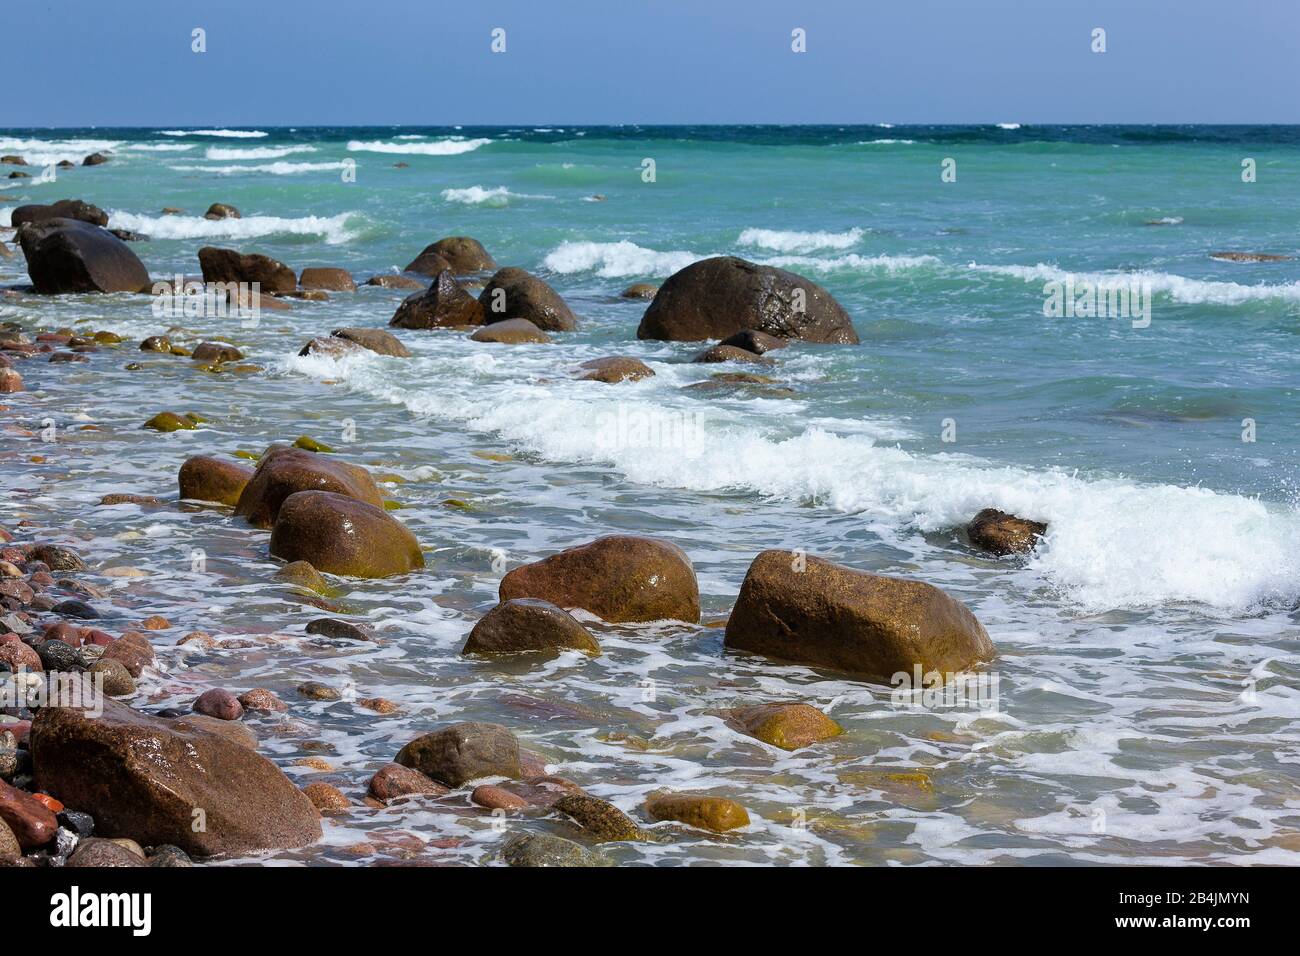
221,133
333,229
616,260
274,169
452,146
478,196
255,152
1178,288
1112,543
780,240
47,152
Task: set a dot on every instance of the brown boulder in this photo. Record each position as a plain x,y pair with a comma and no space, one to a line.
284,470
461,254
443,305
729,353
512,332
639,290
515,294
618,578
214,353
63,209
615,369
759,343
599,819
144,777
341,535
328,278
206,478
463,752
230,265
376,340
807,610
527,624
715,298
66,255
1002,533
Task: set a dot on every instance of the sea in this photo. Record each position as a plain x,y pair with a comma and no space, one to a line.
1148,679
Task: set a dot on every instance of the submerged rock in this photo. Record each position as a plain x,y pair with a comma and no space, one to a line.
220,210
463,752
599,819
729,353
759,343
214,353
545,849
698,810
716,298
341,535
1002,533
376,340
144,777
512,332
806,610
619,578
394,781
327,278
527,624
614,369
639,290
398,282
788,726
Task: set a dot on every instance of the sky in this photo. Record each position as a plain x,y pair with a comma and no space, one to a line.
430,62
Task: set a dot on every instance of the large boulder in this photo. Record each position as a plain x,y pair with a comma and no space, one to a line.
527,624
66,255
344,536
230,265
463,752
285,470
445,304
807,610
63,209
618,578
162,781
207,478
716,298
515,294
461,254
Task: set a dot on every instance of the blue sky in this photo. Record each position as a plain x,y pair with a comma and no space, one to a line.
428,62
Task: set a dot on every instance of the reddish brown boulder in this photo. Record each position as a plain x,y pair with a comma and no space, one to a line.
515,294
394,781
341,535
618,578
218,703
461,254
132,650
528,625
160,781
284,470
807,610
32,823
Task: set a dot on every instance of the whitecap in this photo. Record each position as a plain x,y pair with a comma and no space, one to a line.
453,146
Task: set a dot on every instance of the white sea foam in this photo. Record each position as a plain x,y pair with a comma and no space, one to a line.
158,147
781,240
255,152
852,262
223,133
274,169
887,142
46,152
1178,288
334,229
452,146
1008,126
1111,543
478,196
614,260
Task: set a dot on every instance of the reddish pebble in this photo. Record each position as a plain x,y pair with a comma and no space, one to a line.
218,703
63,631
31,822
259,698
155,623
50,803
325,797
393,781
20,657
95,636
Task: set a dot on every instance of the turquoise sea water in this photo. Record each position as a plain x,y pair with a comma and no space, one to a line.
1149,668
